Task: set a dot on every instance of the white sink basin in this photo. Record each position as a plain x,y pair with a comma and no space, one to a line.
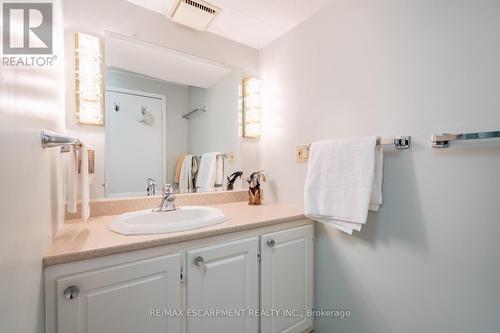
146,222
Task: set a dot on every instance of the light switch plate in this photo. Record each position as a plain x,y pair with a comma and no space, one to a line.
302,153
230,157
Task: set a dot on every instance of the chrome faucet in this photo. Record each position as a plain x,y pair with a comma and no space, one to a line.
167,200
151,189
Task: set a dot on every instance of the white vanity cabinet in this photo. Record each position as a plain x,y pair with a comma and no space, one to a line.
286,275
119,298
140,291
223,277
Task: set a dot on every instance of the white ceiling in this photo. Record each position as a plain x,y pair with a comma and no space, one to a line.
255,23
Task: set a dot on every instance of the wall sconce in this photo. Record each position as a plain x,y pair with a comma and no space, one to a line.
89,77
251,105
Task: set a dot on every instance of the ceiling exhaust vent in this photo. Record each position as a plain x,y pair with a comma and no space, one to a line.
194,14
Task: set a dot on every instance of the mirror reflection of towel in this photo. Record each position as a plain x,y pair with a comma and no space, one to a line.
219,171
178,166
208,171
185,174
194,172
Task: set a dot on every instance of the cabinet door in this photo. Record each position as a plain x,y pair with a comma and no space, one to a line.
287,280
223,277
120,298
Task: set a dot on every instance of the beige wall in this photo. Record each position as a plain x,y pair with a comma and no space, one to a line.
429,260
30,187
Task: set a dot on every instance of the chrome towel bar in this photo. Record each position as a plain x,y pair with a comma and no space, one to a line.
400,142
443,140
51,139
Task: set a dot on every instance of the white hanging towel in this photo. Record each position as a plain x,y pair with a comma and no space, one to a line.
344,181
208,171
185,176
71,173
376,196
84,182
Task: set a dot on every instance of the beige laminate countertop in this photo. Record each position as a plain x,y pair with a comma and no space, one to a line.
77,240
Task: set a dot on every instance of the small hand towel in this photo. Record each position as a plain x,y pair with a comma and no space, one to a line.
71,169
84,182
207,172
344,181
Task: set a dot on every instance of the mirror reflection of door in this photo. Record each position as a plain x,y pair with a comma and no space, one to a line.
135,147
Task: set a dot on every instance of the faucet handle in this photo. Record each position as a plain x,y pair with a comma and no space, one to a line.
168,189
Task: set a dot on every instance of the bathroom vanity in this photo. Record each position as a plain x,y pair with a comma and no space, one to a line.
187,270
253,273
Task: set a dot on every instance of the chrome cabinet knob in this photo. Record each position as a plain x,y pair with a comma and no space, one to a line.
71,292
271,242
198,261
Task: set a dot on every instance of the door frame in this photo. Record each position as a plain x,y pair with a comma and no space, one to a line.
163,99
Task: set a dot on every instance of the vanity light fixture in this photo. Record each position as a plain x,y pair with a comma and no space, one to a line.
89,77
251,106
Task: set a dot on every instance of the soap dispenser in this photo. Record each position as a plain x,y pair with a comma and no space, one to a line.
254,191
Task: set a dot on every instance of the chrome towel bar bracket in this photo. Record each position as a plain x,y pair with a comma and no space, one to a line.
443,140
401,142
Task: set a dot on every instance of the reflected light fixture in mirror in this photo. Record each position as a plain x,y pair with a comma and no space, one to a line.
89,76
251,105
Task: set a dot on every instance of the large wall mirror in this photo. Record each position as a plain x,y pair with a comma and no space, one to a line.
169,118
